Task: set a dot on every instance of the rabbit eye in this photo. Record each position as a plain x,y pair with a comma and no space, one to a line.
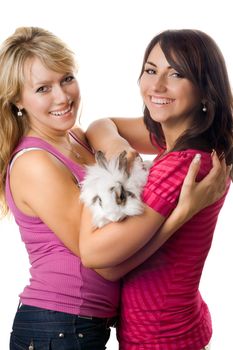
95,199
130,194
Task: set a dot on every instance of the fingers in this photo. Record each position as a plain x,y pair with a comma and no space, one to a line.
210,189
193,170
131,155
219,164
228,171
218,175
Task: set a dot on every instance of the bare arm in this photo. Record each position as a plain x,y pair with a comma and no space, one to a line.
122,134
177,218
194,197
43,187
116,242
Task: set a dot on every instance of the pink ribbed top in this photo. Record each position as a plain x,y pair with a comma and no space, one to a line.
162,308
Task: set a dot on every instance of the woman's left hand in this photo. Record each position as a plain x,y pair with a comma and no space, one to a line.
198,195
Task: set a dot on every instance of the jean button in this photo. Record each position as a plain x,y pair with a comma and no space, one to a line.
61,335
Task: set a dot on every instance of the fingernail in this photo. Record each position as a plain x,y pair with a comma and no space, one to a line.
197,158
213,152
222,156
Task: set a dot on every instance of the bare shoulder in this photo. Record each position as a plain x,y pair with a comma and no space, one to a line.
35,162
37,169
39,177
43,187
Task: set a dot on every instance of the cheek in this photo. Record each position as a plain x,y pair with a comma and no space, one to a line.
194,100
39,104
74,89
142,87
36,106
186,96
192,93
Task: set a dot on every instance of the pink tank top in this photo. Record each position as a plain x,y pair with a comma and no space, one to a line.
58,280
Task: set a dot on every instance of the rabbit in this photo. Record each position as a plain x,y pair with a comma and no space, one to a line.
111,191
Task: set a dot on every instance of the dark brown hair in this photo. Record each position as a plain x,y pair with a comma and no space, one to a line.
197,57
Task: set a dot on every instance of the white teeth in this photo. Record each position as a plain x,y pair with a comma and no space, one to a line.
161,101
59,113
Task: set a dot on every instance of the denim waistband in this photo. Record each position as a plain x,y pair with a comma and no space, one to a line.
26,313
110,321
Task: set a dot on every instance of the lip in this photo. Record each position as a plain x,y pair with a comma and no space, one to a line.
62,112
161,101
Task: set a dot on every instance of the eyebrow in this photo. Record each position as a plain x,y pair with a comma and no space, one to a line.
154,65
45,82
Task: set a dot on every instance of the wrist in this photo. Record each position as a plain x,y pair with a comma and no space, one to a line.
118,145
182,214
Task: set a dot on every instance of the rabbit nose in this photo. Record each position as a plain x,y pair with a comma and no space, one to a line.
120,194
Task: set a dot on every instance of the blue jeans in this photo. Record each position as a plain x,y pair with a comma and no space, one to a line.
40,329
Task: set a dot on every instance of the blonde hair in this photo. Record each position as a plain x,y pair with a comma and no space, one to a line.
15,51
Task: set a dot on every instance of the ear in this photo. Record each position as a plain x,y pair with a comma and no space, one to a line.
18,103
97,198
123,162
101,160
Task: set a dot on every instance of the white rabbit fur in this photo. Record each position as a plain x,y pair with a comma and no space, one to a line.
110,191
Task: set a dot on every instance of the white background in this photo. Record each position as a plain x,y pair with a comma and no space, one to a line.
109,39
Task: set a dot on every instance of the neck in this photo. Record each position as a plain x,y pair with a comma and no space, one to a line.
171,135
55,138
170,143
62,142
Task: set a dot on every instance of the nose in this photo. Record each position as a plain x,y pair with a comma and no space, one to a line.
60,94
159,83
120,194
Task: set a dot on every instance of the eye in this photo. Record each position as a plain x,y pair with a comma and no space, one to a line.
176,75
68,79
150,71
130,194
43,89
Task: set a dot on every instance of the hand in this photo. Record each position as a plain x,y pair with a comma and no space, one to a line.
198,195
117,148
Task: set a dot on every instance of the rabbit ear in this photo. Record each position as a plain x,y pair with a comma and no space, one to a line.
123,162
97,198
101,160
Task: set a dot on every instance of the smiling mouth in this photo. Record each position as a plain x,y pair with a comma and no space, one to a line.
63,112
161,101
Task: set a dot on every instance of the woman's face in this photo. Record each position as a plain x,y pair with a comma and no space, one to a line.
50,99
171,99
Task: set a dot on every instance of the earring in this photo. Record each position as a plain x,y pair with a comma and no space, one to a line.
204,108
19,113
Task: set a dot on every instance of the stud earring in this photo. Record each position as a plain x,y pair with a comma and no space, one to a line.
204,108
19,113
